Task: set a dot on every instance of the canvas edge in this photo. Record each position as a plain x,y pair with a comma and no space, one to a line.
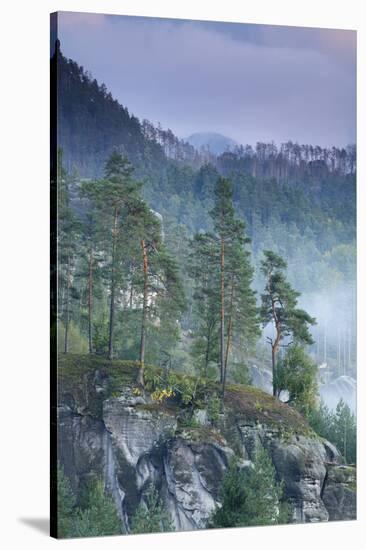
53,274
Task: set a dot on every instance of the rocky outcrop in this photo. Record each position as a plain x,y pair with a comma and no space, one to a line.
135,442
344,387
339,494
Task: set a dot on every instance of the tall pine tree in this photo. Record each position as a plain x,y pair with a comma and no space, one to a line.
279,307
236,298
112,198
67,232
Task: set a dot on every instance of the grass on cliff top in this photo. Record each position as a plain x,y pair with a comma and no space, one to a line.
72,368
251,403
259,406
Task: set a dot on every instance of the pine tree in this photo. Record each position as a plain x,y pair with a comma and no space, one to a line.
98,516
279,306
345,432
151,517
112,197
203,263
66,503
297,373
236,298
91,254
251,496
146,239
338,426
155,277
67,231
242,312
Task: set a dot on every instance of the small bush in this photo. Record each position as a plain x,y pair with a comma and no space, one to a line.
213,408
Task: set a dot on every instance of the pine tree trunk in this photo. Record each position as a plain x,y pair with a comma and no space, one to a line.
90,301
274,371
275,347
207,355
113,284
228,343
222,310
67,308
140,378
227,356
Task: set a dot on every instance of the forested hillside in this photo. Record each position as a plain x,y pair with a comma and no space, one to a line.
296,200
188,283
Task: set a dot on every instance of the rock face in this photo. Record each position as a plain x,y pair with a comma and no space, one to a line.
261,378
135,442
344,388
339,494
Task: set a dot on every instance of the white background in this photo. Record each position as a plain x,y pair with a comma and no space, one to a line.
24,188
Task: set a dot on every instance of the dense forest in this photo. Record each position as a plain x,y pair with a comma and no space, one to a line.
297,200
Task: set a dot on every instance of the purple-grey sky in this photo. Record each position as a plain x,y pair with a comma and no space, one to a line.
249,82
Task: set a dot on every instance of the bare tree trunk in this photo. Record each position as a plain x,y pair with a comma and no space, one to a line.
222,310
113,284
90,301
67,308
140,377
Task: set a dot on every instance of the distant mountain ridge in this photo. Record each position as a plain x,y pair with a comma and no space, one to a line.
216,143
91,124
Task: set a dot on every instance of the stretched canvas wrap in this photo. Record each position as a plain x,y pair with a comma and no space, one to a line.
203,275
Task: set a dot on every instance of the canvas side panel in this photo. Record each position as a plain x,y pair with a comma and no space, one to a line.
53,271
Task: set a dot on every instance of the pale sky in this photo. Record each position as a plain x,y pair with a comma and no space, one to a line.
249,82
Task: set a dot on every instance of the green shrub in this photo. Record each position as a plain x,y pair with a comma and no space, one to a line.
213,408
189,390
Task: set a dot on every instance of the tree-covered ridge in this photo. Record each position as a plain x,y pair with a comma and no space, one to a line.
93,122
297,200
304,193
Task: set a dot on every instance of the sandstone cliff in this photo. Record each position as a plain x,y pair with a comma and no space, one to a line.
132,441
